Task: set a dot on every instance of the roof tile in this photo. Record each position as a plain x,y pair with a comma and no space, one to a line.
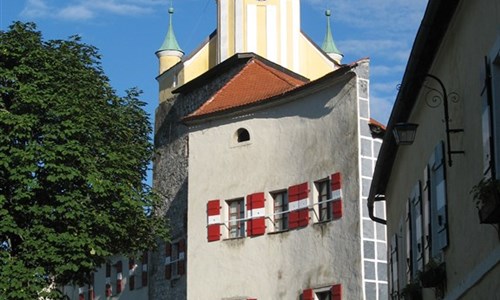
255,82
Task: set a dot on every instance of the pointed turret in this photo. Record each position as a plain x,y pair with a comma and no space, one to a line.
169,53
328,43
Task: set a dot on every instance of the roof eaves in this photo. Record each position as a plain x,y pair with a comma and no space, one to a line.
429,36
289,94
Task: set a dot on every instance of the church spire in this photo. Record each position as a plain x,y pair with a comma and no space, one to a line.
169,53
328,43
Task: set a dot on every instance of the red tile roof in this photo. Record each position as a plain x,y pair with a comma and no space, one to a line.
255,82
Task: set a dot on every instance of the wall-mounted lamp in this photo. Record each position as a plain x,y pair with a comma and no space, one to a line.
404,133
435,101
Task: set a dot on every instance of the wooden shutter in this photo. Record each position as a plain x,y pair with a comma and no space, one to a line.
119,276
256,213
91,293
401,253
131,274
144,275
214,218
168,261
308,294
181,262
426,215
416,225
408,230
336,291
487,122
108,289
298,201
439,232
394,264
81,293
336,185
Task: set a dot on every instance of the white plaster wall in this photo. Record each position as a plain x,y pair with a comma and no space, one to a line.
460,62
303,140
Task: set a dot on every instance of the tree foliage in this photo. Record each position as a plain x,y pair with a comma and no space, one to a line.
73,159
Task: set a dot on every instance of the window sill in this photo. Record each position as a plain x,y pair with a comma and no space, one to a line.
279,231
322,222
234,238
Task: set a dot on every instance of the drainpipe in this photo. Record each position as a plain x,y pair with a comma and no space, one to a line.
370,210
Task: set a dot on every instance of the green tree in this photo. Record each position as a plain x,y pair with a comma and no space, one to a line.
73,159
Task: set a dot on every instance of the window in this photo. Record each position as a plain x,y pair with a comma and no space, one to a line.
329,198
423,229
417,230
144,273
242,135
438,202
326,295
324,205
236,222
393,269
333,292
175,259
132,268
280,210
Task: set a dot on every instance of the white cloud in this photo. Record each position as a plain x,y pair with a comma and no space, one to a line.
35,9
394,16
76,12
87,9
390,49
384,70
386,88
119,8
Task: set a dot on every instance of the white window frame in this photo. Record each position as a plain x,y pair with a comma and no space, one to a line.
239,219
280,217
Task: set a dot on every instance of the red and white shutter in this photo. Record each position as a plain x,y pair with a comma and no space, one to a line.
168,261
108,290
214,220
308,294
256,213
336,291
336,185
81,293
131,274
298,201
119,276
144,269
181,262
91,287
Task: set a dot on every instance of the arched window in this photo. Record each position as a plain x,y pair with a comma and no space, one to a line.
242,135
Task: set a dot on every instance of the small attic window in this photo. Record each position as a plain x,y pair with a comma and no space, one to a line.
242,135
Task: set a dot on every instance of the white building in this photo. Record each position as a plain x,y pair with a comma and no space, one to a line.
444,243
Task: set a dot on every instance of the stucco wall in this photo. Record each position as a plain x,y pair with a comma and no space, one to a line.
304,140
170,171
459,64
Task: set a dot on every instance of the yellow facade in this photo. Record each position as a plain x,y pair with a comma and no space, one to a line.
268,28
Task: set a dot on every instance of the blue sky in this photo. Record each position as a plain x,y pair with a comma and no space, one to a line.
128,32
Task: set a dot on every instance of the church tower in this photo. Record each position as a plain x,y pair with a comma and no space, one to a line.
269,28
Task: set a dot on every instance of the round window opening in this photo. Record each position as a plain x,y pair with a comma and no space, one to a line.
243,135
